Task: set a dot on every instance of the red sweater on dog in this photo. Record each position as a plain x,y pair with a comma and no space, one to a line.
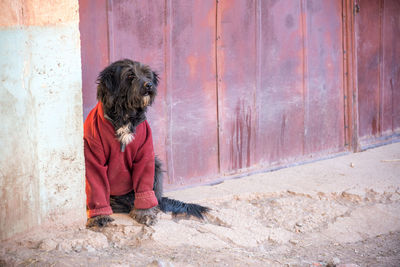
112,172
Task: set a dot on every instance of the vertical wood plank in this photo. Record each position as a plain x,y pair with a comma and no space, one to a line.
324,131
280,124
391,68
93,26
349,77
368,71
236,54
193,130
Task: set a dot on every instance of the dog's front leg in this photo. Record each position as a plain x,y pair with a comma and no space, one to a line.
147,216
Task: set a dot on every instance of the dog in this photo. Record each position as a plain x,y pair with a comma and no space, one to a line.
122,173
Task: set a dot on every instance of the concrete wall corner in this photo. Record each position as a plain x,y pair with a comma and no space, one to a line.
41,160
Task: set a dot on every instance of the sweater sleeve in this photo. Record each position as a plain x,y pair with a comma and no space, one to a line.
143,173
97,185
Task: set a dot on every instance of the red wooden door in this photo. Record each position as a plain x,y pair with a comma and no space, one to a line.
280,87
378,70
245,84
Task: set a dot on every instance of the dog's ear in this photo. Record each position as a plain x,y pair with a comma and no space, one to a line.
108,84
110,78
156,78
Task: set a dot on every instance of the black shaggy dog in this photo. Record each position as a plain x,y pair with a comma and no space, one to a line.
125,89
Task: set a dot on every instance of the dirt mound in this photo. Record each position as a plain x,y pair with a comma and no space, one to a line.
253,229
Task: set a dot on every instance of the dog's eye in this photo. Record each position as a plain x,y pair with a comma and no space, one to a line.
131,76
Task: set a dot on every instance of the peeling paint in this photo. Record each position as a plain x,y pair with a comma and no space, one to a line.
37,12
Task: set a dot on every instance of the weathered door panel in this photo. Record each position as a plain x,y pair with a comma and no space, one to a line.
391,67
191,92
378,70
280,89
236,60
323,88
280,108
368,61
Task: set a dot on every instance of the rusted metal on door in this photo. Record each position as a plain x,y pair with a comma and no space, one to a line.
378,70
280,90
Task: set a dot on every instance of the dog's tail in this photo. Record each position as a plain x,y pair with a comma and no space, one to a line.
179,207
171,205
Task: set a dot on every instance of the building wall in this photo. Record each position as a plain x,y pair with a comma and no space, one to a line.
41,156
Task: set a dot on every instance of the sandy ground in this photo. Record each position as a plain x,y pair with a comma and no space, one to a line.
343,211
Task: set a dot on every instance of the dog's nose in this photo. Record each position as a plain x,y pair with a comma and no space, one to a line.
148,85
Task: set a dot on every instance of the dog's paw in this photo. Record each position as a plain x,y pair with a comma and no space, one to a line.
147,217
100,221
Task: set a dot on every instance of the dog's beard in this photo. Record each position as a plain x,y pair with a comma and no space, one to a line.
136,100
137,104
125,135
146,101
133,114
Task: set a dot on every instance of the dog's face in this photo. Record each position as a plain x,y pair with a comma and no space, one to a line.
127,86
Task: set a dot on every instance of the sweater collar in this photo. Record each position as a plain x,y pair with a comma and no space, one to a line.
102,115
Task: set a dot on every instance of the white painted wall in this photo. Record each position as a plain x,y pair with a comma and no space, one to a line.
41,133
